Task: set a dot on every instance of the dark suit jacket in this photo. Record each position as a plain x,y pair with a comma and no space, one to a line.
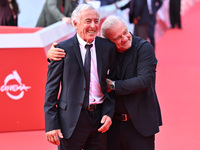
64,113
137,87
138,9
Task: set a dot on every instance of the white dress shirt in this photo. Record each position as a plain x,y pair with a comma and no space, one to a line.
95,94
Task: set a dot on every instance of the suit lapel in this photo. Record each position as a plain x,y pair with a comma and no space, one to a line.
77,52
99,58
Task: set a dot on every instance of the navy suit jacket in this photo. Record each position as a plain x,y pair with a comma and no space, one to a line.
137,87
64,113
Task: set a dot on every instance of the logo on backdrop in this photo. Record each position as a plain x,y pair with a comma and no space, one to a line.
14,90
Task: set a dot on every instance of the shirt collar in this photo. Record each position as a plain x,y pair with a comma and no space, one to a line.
82,42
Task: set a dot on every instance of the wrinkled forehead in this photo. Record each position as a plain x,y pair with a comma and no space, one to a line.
83,10
89,13
118,29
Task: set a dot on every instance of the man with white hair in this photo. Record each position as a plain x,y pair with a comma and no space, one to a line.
82,114
137,112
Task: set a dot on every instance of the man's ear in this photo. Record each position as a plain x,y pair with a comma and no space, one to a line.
75,24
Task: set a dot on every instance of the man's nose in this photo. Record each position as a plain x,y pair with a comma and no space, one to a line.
92,24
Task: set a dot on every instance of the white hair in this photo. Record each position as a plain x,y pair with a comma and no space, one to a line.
76,14
109,22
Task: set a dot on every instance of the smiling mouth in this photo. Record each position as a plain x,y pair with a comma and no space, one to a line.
91,32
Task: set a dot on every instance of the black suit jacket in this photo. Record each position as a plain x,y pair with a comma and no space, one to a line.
64,113
137,87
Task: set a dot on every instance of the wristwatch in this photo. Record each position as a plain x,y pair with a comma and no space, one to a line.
112,86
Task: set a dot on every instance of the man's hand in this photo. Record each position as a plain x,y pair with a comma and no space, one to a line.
106,121
109,82
52,136
55,53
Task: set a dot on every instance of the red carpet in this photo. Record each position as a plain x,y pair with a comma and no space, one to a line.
178,85
29,140
178,88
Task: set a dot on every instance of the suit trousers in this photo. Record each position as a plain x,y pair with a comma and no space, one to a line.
122,135
151,30
175,13
86,135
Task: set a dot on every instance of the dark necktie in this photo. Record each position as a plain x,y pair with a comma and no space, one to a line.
87,74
